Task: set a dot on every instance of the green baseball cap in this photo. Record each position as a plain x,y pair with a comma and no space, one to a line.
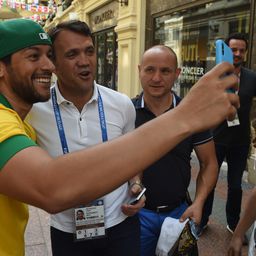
17,34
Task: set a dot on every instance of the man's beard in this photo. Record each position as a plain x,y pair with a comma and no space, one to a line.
26,92
238,63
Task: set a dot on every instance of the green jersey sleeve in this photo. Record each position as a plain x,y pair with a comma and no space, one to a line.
12,145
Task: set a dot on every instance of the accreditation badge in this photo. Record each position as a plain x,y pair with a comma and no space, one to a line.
89,221
235,122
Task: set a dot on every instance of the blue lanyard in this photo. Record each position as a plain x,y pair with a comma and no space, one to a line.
59,122
60,126
102,118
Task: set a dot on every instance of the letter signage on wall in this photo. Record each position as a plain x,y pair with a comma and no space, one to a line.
105,17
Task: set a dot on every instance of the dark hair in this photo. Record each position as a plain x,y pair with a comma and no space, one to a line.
237,36
71,25
7,59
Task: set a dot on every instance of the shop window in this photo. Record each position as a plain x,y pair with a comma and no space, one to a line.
192,34
106,48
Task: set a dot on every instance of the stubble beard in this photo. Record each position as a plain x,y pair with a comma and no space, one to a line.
26,92
29,94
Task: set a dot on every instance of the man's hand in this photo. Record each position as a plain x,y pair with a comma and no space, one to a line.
208,102
129,209
193,212
235,246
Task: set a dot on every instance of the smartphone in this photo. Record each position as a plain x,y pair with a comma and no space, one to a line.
223,53
138,197
193,228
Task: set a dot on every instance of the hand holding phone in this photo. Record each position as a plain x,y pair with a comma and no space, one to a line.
224,53
138,197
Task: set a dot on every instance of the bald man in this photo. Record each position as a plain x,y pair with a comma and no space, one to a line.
167,185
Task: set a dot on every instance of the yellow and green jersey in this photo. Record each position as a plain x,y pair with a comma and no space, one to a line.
15,135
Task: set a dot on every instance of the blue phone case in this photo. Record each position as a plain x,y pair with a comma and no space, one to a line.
223,53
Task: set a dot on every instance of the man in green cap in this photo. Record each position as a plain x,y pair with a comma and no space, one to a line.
28,174
25,75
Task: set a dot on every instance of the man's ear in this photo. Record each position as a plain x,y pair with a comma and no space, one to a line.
55,67
178,70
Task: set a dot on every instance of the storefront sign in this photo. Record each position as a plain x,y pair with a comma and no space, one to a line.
191,74
104,17
192,32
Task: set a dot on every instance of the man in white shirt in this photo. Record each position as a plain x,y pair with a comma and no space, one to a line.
80,114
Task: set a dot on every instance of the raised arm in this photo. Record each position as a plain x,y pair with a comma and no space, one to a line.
32,176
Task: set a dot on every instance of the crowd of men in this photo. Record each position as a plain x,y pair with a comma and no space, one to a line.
92,150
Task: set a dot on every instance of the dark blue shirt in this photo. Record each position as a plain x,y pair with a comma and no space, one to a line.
240,134
167,180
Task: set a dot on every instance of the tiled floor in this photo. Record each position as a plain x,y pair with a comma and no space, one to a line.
216,238
37,235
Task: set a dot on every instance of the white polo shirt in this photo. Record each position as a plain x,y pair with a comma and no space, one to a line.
83,130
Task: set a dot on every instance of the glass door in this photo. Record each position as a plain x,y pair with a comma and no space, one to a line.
192,33
106,49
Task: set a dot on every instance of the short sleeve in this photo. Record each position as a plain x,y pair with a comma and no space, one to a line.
12,145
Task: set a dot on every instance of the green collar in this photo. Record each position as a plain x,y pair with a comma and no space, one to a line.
5,102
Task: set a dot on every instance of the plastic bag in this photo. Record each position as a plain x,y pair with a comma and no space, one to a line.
184,244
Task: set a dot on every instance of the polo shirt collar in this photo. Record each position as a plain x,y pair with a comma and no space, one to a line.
95,94
5,102
61,99
140,103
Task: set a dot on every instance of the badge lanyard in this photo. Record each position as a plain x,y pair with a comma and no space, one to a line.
102,118
91,224
236,121
60,126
